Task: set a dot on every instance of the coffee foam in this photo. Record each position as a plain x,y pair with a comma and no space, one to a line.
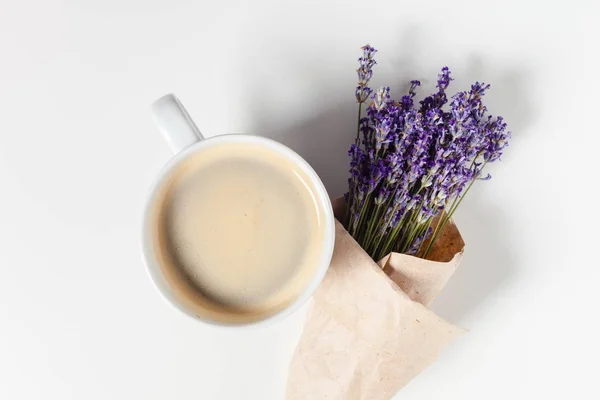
237,232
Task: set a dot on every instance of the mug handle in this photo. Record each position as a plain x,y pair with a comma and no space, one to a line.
174,122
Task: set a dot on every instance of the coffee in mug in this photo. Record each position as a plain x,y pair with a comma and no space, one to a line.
238,229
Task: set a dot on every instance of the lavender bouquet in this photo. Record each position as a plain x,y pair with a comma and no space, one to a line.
412,164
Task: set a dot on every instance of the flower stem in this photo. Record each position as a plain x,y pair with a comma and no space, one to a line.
358,123
350,197
372,223
457,200
442,224
361,217
390,238
407,240
381,252
424,238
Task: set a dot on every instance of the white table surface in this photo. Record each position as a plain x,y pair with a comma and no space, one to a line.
79,318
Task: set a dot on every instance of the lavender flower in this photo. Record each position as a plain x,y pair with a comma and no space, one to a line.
438,99
407,100
362,93
365,72
408,164
444,79
381,97
382,130
496,139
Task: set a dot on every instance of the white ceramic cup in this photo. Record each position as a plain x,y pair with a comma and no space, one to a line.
185,140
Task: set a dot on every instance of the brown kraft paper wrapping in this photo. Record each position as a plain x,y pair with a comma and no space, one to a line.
367,335
422,280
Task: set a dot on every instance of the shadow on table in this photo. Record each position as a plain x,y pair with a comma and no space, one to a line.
487,263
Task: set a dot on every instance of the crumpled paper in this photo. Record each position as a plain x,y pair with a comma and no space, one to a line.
368,332
422,280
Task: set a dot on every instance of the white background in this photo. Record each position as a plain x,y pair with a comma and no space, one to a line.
79,318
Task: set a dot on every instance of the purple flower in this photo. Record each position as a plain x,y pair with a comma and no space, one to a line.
418,153
376,173
416,245
407,101
413,203
496,139
413,85
444,79
459,108
365,64
365,72
393,164
437,100
382,130
478,90
397,217
381,98
383,195
362,93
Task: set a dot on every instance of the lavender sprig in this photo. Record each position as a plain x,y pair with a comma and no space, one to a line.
365,72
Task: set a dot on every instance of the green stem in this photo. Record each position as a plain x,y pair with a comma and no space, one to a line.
382,251
363,232
407,240
442,224
374,250
457,200
426,229
390,238
376,241
361,217
410,238
347,217
439,225
358,123
370,236
351,198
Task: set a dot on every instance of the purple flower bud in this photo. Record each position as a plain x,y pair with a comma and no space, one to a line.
478,89
416,245
368,51
413,85
444,79
496,139
412,203
364,73
382,129
381,97
382,196
362,93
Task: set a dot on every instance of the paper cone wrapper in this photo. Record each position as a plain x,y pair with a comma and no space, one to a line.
368,334
422,280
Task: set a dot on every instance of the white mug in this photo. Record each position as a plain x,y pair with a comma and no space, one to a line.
185,140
